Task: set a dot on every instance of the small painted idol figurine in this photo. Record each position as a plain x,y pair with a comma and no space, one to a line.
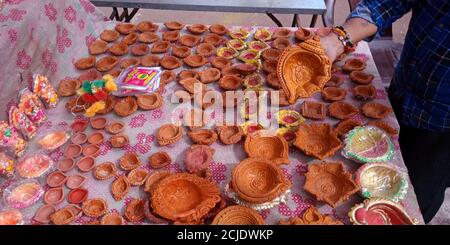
45,91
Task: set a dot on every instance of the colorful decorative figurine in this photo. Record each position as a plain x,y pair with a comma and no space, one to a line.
31,106
11,140
44,89
7,166
22,123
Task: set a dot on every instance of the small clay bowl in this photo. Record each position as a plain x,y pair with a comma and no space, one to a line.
126,106
86,163
303,34
112,219
75,181
73,151
281,43
220,62
91,74
65,164
98,47
76,210
384,126
245,69
159,160
195,60
205,49
56,179
333,94
119,140
91,150
120,188
281,32
94,207
85,63
105,170
189,40
167,77
148,37
345,126
115,127
160,47
230,82
129,161
130,38
125,28
230,134
147,26
54,196
127,62
174,25
134,211
341,110
376,110
190,83
106,63
118,49
218,29
170,62
149,101
214,39
335,81
109,35
203,136
140,49
68,87
364,92
209,75
137,176
360,77
168,134
271,54
63,216
98,123
96,138
77,195
230,71
238,215
79,138
150,60
313,110
197,29
353,65
270,66
43,214
181,51
171,36
273,81
198,158
272,148
188,74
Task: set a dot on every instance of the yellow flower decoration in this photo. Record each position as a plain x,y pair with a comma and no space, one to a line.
110,84
94,108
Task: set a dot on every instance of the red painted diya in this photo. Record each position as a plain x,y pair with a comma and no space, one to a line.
79,125
198,158
77,195
380,212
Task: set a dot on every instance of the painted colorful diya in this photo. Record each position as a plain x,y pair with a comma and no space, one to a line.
379,211
311,216
368,144
258,46
227,52
380,180
236,44
289,118
249,56
54,140
11,217
239,34
253,81
288,134
263,34
250,127
272,148
238,215
23,194
34,165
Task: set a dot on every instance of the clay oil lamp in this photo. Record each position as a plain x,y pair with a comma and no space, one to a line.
120,188
34,165
249,56
118,49
311,216
68,87
330,183
218,29
79,138
160,47
98,47
195,60
245,69
345,126
174,25
236,44
115,127
209,75
77,195
264,187
149,101
90,75
271,54
273,81
170,62
227,53
94,207
134,211
137,50
112,219
197,29
85,63
86,163
63,216
198,158
11,217
313,110
333,94
147,26
303,34
368,144
130,38
184,198
159,159
105,171
270,66
288,133
335,81
171,36
56,179
150,60
258,45
43,214
230,82
239,34
263,35
167,77
281,43
238,215
79,125
181,51
23,194
109,35
76,210
205,49
365,92
281,32
73,151
214,39
91,150
384,126
96,138
129,161
137,176
378,211
126,106
289,118
298,77
114,72
360,77
376,110
188,74
110,102
119,140
65,164
127,62
203,136
75,181
317,140
189,40
168,134
251,128
342,110
353,65
106,63
253,81
54,196
98,122
53,140
230,134
190,83
125,28
148,37
272,148
153,179
75,105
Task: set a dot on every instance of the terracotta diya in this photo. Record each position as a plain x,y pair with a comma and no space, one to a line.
229,53
345,126
341,110
91,74
75,181
365,92
238,215
353,65
125,28
198,158
272,148
379,211
150,60
174,25
270,66
333,94
303,34
63,216
281,43
124,63
236,44
148,37
130,161
190,83
313,110
330,183
230,82
79,138
85,63
258,45
168,134
79,125
56,179
376,110
195,60
106,63
73,151
118,49
384,126
120,188
105,170
166,77
368,144
203,136
119,140
281,32
160,47
91,150
98,47
98,122
115,127
263,35
171,36
68,87
11,217
218,29
272,80
134,210
54,196
95,207
249,56
96,138
230,134
109,105
159,159
126,106
43,214
65,164
149,101
188,74
317,140
271,54
205,49
86,163
153,179
289,118
77,195
147,26
184,197
76,210
109,35
304,69
214,39
53,140
197,29
112,219
170,62
189,40
181,51
360,77
311,216
335,81
137,176
209,75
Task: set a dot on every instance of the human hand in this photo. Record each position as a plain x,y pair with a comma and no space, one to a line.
330,42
